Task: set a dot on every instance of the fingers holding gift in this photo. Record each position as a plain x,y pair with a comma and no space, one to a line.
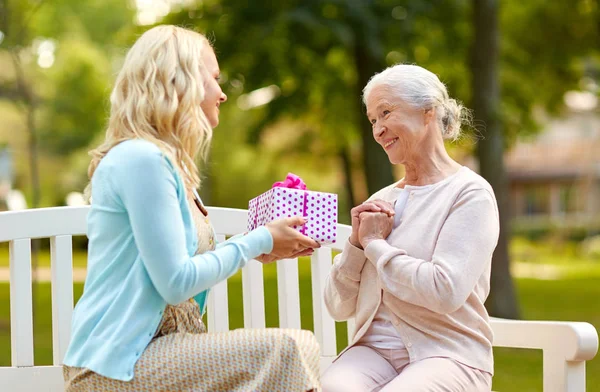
288,242
305,252
266,259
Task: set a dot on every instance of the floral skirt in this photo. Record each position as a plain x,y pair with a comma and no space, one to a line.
184,357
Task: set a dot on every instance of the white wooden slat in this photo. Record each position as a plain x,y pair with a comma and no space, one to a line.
288,292
253,295
218,304
324,323
561,375
61,256
29,379
228,221
21,312
343,233
43,223
351,325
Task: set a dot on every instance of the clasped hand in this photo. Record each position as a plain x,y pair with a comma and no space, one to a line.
372,220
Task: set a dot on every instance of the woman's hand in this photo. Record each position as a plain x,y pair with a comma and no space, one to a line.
374,226
288,243
368,206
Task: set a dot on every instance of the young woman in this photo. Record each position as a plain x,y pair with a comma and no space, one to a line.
152,250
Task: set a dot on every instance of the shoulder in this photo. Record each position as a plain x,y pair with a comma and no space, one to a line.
135,161
137,156
471,181
132,151
474,190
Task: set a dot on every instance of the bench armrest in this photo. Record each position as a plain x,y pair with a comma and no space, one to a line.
566,346
576,340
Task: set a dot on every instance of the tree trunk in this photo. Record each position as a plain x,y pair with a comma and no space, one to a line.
378,170
502,301
347,166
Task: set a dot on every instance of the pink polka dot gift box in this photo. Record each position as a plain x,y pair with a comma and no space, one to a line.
292,198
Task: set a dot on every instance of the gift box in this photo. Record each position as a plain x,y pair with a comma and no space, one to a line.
292,198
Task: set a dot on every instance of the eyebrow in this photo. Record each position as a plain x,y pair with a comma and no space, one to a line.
384,103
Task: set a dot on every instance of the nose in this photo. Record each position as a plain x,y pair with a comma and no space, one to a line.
223,97
378,131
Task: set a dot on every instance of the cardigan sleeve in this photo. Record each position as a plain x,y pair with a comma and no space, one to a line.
147,187
463,249
343,282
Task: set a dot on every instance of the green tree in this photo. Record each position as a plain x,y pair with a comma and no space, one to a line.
486,102
321,54
60,72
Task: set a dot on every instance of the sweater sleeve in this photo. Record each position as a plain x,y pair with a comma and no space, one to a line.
147,187
463,250
341,289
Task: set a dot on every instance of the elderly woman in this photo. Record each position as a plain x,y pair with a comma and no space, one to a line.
415,272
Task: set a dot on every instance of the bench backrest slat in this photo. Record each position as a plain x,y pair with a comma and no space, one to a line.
324,323
61,259
288,293
253,295
218,304
21,312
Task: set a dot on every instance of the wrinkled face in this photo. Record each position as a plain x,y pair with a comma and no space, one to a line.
397,127
214,95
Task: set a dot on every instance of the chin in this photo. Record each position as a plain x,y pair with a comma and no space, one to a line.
213,122
391,159
395,160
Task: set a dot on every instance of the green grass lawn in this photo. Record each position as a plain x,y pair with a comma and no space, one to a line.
573,298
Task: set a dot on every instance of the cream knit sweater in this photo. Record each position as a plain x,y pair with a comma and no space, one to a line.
432,272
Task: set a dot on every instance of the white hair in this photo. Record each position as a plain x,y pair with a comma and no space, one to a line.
422,89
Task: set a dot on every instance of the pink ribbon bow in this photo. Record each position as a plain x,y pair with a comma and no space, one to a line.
291,181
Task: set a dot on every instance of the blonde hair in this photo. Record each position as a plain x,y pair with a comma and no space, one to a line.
157,98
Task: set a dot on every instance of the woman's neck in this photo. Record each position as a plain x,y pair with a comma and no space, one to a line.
435,167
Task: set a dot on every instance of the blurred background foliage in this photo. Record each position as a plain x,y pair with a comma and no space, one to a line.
294,71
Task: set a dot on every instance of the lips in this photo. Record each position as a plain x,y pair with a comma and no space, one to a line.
390,143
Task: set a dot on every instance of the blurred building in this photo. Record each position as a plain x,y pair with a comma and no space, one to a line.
556,176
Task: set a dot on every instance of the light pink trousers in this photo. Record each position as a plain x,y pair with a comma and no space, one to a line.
367,369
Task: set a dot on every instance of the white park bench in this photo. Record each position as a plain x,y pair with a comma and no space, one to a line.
566,345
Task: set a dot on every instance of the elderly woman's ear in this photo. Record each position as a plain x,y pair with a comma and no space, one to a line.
429,116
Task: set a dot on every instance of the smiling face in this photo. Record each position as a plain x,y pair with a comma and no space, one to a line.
214,96
398,127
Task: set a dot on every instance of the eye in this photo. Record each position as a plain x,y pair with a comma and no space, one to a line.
372,121
386,112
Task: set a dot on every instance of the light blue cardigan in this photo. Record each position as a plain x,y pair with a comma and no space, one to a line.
142,242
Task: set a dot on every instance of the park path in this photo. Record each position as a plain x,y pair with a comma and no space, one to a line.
519,270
